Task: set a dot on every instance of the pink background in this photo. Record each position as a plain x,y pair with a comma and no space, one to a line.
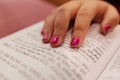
18,14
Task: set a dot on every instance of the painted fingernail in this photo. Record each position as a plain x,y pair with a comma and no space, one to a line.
54,40
45,37
107,28
75,41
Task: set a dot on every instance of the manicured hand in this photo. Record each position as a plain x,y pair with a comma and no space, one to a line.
83,11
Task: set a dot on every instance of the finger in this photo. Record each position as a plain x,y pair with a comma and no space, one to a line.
83,19
110,20
61,24
47,30
60,28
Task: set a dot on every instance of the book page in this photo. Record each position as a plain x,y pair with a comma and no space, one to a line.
23,56
112,72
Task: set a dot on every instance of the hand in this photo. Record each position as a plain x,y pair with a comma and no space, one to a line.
83,11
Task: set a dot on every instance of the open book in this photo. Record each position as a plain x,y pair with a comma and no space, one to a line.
23,56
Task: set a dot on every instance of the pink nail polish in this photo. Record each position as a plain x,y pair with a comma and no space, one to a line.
107,28
45,37
54,40
75,41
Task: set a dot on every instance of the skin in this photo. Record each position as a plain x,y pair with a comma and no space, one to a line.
83,11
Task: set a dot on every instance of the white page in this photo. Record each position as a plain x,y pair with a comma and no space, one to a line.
112,45
23,56
112,72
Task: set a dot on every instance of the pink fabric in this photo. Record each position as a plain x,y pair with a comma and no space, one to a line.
18,14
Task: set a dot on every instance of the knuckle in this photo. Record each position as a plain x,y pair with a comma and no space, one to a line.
62,11
87,11
62,15
62,22
77,28
60,28
84,13
80,29
59,32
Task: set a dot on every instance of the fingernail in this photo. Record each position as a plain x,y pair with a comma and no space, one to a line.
75,41
54,40
107,28
45,37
